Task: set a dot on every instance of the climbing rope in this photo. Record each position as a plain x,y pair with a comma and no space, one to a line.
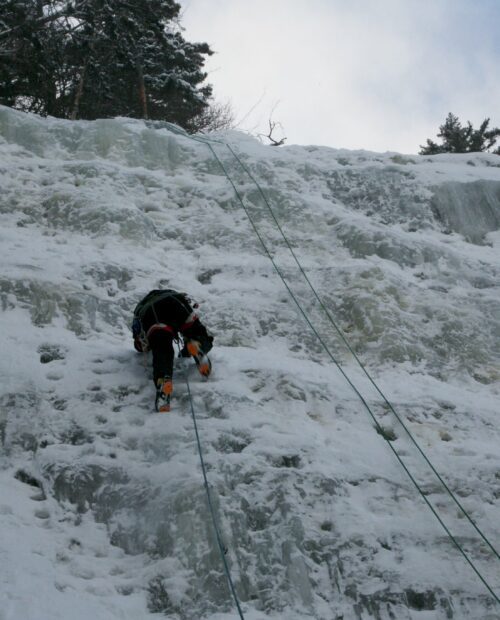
222,549
361,365
358,393
208,143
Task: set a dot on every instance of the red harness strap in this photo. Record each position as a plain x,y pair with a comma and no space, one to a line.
161,327
192,318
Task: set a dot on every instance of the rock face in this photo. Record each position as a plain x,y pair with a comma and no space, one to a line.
318,517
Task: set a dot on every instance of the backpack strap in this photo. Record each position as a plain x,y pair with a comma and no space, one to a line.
150,300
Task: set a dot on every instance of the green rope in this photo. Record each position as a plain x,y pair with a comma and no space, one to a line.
377,424
358,393
346,342
218,536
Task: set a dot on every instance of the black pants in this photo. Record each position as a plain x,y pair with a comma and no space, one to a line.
161,343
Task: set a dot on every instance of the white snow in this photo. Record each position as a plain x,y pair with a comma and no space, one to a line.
103,512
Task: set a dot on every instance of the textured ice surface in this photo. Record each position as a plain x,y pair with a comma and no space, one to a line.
104,508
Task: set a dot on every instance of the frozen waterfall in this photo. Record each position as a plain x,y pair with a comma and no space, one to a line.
103,511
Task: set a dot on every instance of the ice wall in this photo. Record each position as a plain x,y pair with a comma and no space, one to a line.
471,209
317,516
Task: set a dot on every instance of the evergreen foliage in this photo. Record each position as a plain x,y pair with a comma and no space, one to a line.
101,58
458,139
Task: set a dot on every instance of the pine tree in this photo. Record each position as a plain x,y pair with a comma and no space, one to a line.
458,139
101,58
31,49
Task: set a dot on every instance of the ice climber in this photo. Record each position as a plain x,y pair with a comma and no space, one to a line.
159,318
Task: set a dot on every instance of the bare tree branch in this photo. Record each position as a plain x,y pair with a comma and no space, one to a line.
247,114
216,116
269,136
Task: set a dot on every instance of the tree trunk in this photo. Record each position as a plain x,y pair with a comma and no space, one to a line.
50,96
142,91
79,93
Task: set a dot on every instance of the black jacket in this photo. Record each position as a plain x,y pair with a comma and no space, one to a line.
165,310
167,307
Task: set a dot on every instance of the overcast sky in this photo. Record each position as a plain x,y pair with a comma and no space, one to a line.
374,74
